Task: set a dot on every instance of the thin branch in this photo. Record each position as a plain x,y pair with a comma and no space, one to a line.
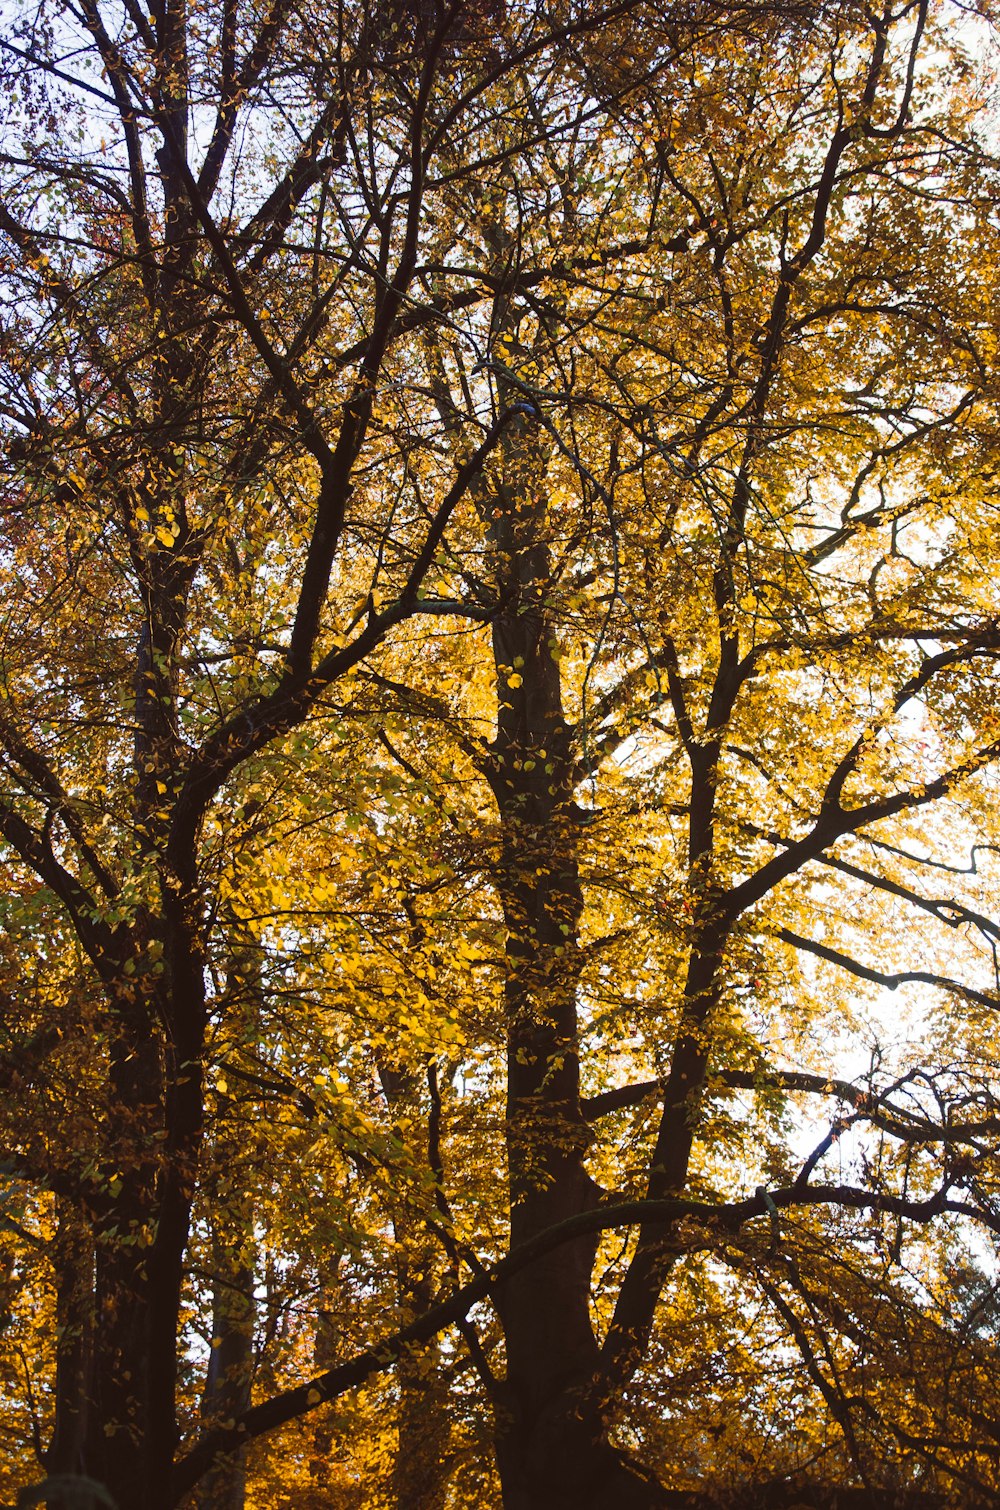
883,978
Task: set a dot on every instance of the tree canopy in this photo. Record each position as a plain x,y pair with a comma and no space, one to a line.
500,662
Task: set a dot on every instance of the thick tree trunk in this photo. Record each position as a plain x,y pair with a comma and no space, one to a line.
562,1462
143,1200
156,1010
131,1433
551,1446
120,1447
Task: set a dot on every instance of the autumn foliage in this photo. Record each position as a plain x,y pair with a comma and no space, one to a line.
499,675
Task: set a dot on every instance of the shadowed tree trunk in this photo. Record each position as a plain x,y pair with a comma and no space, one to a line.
552,1449
230,1366
74,1262
420,1471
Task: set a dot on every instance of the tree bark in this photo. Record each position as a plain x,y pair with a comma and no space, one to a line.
142,1207
551,1445
230,1365
74,1261
120,1438
420,1472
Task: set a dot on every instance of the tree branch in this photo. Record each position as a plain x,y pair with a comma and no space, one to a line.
726,1218
880,977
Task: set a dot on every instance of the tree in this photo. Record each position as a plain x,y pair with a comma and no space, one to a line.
500,659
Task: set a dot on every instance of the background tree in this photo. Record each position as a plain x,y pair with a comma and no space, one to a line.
502,661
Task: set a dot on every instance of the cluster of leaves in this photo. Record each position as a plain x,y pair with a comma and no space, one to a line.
499,665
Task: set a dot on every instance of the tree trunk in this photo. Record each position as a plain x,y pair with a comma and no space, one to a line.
120,1451
74,1263
142,1219
230,1365
552,1449
562,1461
420,1472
